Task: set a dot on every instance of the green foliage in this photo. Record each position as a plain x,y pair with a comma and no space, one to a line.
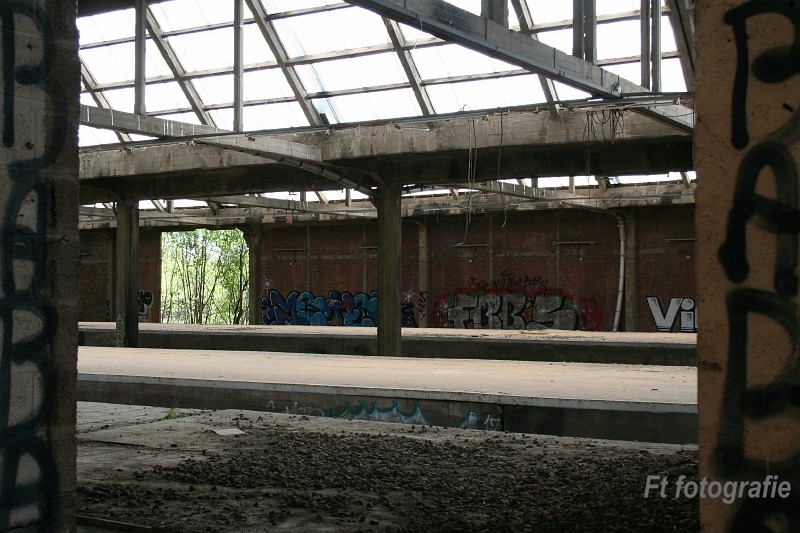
204,277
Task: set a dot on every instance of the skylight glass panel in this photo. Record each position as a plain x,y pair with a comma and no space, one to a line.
110,64
486,94
88,136
281,6
189,118
87,99
629,71
106,26
544,11
266,84
379,105
121,99
255,48
352,73
223,118
204,50
559,39
164,97
328,31
453,60
274,116
215,89
618,39
566,92
116,63
668,43
412,34
611,7
672,79
185,14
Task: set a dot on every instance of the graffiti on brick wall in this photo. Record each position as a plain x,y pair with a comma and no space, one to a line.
510,281
772,403
145,306
680,310
29,479
507,309
338,309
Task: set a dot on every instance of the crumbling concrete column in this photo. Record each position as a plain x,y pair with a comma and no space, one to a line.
747,150
39,84
389,249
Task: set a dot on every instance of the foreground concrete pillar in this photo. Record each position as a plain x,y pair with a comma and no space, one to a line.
747,149
39,84
389,224
126,291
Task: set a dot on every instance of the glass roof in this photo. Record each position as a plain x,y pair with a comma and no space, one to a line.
327,57
339,59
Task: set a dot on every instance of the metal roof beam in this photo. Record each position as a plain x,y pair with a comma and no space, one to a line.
448,22
525,19
409,66
681,15
99,98
274,42
174,64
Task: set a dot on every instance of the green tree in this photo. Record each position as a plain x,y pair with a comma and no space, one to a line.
204,277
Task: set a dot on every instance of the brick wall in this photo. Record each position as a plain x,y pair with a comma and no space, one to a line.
574,252
96,273
665,263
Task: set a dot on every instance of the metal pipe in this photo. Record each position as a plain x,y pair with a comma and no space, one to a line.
621,282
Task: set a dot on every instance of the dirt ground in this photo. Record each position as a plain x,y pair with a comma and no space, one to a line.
172,469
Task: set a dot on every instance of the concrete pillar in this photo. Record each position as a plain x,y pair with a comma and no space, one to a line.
424,273
389,224
631,305
747,151
126,293
39,79
253,239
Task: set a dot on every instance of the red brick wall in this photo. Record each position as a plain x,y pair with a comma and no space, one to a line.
96,272
94,276
665,261
512,249
150,270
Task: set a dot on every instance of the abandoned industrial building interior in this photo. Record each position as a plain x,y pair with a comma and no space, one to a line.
399,265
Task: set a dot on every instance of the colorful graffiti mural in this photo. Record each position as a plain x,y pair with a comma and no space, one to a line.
514,309
338,309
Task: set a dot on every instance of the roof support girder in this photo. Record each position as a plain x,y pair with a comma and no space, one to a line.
278,50
448,22
174,64
525,18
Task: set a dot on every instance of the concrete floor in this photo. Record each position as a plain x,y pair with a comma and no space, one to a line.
637,402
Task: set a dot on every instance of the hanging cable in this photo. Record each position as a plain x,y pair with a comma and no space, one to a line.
499,152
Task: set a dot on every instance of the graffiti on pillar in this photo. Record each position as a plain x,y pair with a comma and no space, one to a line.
743,403
509,309
145,306
682,311
338,309
29,479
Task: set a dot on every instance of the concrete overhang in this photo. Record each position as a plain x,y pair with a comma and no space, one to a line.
519,143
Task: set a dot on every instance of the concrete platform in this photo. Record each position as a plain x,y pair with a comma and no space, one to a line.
678,349
621,402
